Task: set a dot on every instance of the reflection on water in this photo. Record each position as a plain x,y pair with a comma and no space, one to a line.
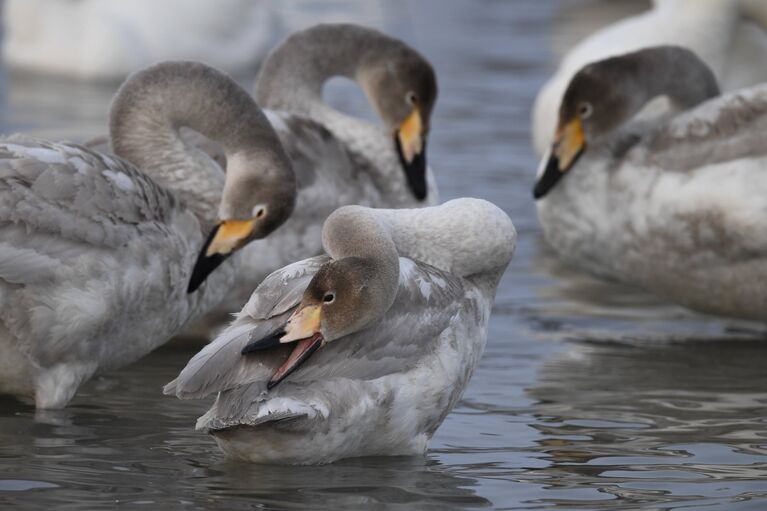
656,423
590,395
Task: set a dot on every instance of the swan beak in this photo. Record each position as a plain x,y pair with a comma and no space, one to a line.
569,144
226,237
411,148
303,327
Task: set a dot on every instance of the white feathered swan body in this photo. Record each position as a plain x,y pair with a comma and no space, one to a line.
677,205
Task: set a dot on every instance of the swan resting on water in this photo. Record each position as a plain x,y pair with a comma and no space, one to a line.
362,351
97,250
676,205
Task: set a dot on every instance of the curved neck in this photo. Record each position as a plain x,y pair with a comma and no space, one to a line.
669,71
678,74
154,104
465,237
293,75
469,238
357,231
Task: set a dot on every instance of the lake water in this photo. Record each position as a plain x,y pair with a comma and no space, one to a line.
589,396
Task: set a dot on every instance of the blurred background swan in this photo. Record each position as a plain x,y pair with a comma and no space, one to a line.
729,35
107,39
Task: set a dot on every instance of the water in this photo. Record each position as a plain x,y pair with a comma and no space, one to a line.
589,396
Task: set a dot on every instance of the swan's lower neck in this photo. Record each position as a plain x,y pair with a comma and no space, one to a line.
590,212
184,169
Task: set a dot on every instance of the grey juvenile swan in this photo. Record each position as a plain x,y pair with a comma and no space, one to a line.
678,205
362,351
96,252
339,160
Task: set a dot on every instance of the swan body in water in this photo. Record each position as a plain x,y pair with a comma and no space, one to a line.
96,251
362,351
675,205
728,35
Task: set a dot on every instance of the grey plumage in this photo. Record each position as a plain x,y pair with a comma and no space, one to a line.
96,252
337,159
674,204
382,389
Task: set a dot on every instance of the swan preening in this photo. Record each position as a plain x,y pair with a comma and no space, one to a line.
364,350
97,249
676,204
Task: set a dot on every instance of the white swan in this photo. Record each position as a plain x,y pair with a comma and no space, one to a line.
341,160
108,39
96,255
717,30
360,352
676,205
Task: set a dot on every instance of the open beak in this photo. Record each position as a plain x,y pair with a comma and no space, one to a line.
226,237
411,148
569,144
303,328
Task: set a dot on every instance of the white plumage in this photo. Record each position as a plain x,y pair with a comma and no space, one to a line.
108,39
678,207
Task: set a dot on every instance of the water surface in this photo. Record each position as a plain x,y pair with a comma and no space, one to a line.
589,396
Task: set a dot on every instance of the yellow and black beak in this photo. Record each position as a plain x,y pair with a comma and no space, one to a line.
224,239
569,144
303,328
411,148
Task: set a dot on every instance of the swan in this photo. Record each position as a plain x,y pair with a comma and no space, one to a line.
338,159
96,249
719,31
108,39
362,351
675,205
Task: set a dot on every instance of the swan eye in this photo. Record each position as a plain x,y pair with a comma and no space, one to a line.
329,298
585,110
411,98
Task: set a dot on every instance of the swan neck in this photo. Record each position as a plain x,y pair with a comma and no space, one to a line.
682,76
356,231
294,74
154,104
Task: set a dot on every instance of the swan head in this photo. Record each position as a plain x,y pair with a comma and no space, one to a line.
259,196
402,86
605,94
343,297
595,102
